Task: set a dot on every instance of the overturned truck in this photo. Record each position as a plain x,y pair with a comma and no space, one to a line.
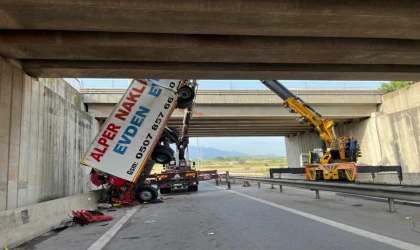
135,137
129,143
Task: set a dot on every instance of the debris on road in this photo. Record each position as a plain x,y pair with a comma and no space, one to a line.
210,233
149,221
104,205
357,205
84,217
156,201
131,238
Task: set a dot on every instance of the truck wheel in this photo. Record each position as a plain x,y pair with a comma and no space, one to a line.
163,154
174,133
165,190
186,97
183,105
193,188
146,193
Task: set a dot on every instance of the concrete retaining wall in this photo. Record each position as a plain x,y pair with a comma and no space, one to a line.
390,137
44,131
22,224
295,145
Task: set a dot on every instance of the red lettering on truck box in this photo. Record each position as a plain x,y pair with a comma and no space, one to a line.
129,102
108,135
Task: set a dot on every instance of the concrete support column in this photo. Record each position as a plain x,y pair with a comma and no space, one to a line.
44,132
11,87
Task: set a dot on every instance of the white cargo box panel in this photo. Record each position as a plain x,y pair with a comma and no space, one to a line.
128,137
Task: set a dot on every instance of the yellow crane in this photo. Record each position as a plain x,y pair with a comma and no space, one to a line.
335,163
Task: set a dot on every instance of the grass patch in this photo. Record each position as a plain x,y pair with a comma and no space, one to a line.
251,165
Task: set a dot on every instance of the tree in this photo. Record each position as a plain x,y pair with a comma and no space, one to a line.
394,85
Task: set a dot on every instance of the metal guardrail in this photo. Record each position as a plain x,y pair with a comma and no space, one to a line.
408,193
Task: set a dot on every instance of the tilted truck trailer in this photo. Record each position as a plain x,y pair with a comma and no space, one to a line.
129,143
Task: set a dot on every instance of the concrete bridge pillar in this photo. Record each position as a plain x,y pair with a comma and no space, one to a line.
44,132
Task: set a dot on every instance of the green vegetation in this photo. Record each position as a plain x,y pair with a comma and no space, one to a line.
394,85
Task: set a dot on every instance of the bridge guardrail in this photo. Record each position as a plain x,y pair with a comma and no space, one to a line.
250,92
391,192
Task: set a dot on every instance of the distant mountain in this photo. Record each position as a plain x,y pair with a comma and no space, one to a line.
208,153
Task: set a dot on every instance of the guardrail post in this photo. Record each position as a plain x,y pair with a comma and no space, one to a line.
391,205
272,186
259,185
217,182
281,188
228,179
400,177
317,194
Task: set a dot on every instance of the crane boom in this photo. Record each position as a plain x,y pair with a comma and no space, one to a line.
309,116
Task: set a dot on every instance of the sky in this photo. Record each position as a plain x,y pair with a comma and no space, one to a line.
248,145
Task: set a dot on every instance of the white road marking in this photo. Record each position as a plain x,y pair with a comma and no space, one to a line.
101,242
361,232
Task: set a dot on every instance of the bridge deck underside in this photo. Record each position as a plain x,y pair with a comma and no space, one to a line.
214,39
258,126
250,126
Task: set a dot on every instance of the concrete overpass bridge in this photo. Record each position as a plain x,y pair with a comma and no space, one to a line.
251,112
214,39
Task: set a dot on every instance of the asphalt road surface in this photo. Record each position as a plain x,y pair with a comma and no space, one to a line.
247,218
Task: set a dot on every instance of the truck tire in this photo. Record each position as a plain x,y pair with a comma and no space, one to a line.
186,97
146,194
165,190
174,133
163,154
193,188
183,104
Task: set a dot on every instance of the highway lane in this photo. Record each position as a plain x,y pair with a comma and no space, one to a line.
214,218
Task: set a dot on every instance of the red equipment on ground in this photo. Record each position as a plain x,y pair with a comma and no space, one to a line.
85,217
